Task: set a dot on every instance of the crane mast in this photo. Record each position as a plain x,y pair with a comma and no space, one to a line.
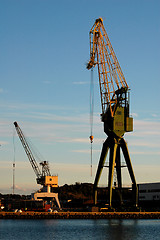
114,92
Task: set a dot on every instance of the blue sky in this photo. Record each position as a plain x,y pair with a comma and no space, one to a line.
44,86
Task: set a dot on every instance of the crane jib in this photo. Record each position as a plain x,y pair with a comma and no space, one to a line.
111,77
45,167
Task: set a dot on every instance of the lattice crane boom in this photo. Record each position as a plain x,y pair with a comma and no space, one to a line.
28,150
111,77
45,167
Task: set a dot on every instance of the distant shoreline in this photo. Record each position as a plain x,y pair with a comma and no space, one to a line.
80,215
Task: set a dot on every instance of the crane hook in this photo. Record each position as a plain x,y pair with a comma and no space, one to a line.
91,138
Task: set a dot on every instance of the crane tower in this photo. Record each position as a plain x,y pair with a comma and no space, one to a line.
44,177
114,92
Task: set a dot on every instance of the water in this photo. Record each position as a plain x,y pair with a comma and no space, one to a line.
79,229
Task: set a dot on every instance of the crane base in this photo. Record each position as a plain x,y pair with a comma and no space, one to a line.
46,196
114,146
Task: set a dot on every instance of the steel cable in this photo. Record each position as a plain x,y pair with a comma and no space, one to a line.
91,112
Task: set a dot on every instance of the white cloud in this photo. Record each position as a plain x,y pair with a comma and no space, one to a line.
86,151
134,114
144,128
147,173
80,83
54,128
143,123
154,115
3,143
47,82
47,116
81,151
29,107
144,143
145,153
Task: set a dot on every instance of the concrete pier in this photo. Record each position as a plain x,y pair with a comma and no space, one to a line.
80,215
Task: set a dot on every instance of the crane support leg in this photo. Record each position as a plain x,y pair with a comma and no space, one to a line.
112,159
115,162
57,200
130,169
118,167
104,152
119,174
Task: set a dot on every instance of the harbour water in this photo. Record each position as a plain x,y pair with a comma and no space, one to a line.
75,229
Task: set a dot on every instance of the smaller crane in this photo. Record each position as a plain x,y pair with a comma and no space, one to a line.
44,177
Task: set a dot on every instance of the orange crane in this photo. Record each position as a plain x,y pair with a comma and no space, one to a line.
44,177
114,92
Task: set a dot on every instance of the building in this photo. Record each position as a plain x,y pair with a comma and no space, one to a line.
149,194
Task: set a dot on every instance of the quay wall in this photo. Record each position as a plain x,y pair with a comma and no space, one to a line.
80,215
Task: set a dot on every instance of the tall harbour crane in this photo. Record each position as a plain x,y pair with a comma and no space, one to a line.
114,92
43,177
